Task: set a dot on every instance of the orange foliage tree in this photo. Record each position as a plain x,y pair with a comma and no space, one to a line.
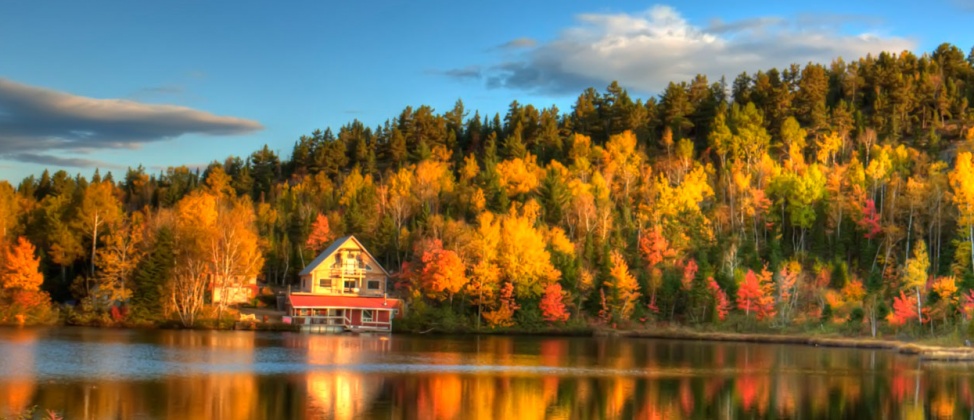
21,300
655,249
320,236
20,271
553,304
503,315
443,271
946,305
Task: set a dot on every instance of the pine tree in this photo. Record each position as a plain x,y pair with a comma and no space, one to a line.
152,276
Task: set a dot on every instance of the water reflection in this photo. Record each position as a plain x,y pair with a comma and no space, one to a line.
89,373
17,366
340,394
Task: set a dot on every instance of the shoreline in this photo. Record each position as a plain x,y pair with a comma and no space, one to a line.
928,353
925,352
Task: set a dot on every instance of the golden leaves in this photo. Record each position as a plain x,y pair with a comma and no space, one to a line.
20,267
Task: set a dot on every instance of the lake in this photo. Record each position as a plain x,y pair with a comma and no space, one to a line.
87,373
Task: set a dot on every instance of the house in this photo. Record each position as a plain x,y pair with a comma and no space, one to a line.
343,289
238,290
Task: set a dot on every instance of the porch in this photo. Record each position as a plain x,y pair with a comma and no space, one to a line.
326,313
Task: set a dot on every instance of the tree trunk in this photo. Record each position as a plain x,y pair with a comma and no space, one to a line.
919,307
94,242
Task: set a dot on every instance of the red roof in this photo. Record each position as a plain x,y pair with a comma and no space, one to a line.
322,301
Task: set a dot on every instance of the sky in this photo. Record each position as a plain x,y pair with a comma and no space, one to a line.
118,84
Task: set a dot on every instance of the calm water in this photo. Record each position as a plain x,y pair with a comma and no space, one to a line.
107,374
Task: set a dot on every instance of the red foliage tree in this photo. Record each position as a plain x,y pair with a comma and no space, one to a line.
968,305
722,304
904,310
870,220
754,295
553,304
689,273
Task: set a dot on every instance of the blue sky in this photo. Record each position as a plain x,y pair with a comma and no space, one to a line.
113,84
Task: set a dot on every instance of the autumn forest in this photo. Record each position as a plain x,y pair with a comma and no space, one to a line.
836,195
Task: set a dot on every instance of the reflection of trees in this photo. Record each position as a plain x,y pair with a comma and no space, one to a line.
231,391
670,379
523,378
17,384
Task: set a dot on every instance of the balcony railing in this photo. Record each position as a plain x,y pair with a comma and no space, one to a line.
348,272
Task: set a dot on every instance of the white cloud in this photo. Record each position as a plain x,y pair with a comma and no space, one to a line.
644,51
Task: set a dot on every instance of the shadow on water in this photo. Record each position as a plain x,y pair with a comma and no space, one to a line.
97,373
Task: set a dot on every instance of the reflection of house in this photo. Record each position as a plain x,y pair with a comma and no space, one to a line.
343,289
342,393
237,290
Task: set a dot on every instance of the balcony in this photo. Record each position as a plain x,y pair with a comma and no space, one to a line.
346,272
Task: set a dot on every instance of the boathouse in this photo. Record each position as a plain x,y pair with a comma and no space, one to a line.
343,289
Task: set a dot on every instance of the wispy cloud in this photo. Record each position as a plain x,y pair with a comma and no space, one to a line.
166,89
38,124
517,43
466,73
644,51
51,160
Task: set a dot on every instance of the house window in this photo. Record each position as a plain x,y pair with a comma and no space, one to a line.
368,315
350,262
324,283
349,284
373,285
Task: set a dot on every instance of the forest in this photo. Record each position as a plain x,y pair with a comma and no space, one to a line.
835,195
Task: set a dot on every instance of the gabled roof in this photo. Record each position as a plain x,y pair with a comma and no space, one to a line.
335,246
357,302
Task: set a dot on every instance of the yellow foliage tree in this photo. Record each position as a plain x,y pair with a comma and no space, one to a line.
117,261
234,248
962,183
916,273
623,286
622,162
522,257
194,226
519,176
432,178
